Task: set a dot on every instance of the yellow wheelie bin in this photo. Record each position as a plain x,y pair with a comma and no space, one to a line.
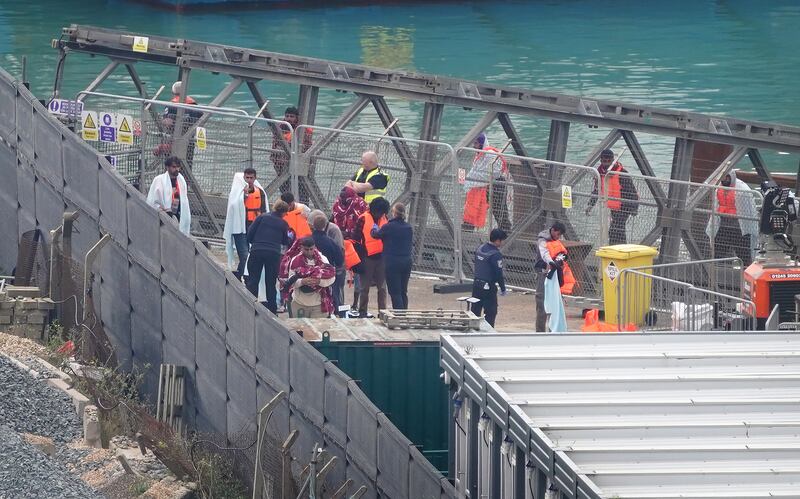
614,259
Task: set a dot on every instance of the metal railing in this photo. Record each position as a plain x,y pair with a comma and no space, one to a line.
656,303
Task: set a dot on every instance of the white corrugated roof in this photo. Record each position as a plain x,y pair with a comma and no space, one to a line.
649,415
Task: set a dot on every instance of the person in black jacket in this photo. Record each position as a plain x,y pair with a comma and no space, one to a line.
489,275
266,235
397,236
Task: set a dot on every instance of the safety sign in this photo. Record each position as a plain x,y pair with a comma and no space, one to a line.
462,175
566,196
612,271
89,125
65,107
200,138
108,127
137,128
125,129
140,43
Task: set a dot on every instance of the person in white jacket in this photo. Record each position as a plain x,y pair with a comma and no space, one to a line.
246,201
733,226
169,193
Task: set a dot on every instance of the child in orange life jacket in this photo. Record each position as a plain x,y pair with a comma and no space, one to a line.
552,259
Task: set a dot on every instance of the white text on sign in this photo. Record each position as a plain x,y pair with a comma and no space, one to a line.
108,127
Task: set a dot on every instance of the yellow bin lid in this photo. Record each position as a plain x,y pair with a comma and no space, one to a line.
625,251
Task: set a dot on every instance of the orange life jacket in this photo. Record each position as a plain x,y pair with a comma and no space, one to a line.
287,134
187,100
609,184
176,193
371,245
727,201
351,258
475,206
298,223
253,205
554,248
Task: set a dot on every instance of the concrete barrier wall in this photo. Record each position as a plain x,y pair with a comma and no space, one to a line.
162,299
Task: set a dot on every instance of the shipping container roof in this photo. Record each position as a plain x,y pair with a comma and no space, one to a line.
657,416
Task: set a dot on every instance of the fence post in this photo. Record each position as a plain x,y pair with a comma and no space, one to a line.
294,158
458,200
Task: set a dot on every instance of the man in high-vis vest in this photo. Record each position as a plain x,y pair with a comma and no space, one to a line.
297,217
733,224
487,164
246,201
369,182
370,250
623,200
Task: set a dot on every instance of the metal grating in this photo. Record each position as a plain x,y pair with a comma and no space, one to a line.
689,415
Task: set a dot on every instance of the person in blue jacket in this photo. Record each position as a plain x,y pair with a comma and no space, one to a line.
397,236
489,275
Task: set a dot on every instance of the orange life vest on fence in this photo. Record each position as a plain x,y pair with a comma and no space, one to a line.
609,184
727,201
298,223
351,258
187,100
371,245
554,248
253,205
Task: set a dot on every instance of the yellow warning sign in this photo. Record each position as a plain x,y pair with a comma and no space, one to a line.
200,138
140,43
89,125
124,132
566,196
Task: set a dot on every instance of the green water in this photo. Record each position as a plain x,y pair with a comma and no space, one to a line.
731,58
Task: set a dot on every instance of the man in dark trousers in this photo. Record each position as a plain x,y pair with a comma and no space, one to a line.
266,235
622,198
489,275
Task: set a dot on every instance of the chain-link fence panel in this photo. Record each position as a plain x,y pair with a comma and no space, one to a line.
525,196
138,135
703,221
420,175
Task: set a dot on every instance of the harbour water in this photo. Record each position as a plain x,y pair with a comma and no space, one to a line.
734,58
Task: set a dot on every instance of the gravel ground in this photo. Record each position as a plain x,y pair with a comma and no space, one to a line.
29,405
27,472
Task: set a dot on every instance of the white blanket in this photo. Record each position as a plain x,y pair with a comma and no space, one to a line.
160,197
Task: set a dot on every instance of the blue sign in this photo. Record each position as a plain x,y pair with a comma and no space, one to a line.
65,107
108,129
112,160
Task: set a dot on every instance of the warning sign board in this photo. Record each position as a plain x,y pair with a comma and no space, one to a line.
89,125
566,196
612,271
113,161
137,128
140,43
124,129
108,127
462,175
65,107
200,138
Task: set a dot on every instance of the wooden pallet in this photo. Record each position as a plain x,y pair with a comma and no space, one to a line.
429,319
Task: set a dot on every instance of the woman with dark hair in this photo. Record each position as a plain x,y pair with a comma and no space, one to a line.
397,236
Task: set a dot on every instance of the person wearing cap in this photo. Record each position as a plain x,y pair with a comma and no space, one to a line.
488,276
622,198
487,164
369,181
280,157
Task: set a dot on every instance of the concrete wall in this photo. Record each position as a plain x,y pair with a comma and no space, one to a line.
162,299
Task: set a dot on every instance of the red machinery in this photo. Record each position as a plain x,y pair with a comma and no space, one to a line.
774,278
